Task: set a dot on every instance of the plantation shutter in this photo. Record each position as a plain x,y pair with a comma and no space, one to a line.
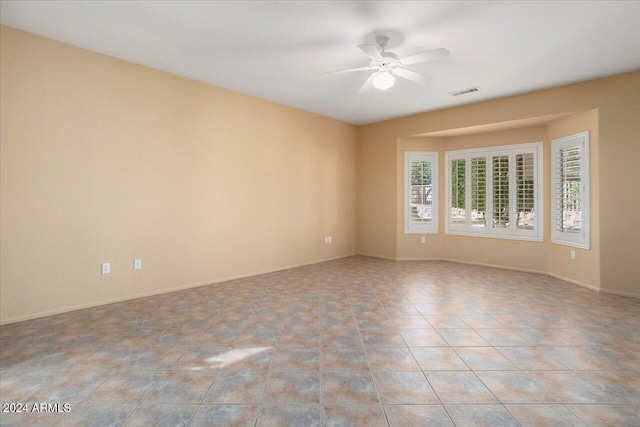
478,193
525,197
500,168
457,204
421,192
495,192
570,190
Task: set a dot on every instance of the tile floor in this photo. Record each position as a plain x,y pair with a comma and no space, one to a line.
357,341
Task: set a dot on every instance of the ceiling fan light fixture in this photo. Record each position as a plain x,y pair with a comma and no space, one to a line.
384,80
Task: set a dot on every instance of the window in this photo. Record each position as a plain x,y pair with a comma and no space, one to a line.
495,192
525,195
570,190
420,192
478,192
458,192
500,168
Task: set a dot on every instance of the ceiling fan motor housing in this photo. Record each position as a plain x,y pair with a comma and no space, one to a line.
389,60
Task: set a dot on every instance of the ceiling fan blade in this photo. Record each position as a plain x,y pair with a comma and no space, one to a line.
350,70
411,75
368,84
371,51
425,56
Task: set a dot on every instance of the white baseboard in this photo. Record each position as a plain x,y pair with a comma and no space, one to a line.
378,256
620,293
459,261
501,267
505,267
575,282
159,292
242,276
399,259
524,270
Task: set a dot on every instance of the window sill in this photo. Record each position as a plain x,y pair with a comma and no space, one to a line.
538,239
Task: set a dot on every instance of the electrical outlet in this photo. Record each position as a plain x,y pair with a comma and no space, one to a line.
106,267
327,239
423,239
137,264
573,255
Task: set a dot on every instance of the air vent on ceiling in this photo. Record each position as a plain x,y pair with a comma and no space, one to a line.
464,91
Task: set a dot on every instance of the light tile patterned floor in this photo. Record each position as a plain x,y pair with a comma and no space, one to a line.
357,341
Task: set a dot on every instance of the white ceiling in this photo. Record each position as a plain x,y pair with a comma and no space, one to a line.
276,50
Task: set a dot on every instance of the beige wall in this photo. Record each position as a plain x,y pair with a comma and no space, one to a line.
586,267
408,245
376,198
103,160
517,254
615,269
525,255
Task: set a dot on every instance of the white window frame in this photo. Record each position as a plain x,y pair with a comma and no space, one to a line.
578,240
421,156
511,233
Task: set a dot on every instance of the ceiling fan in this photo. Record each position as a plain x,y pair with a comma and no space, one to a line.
387,65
